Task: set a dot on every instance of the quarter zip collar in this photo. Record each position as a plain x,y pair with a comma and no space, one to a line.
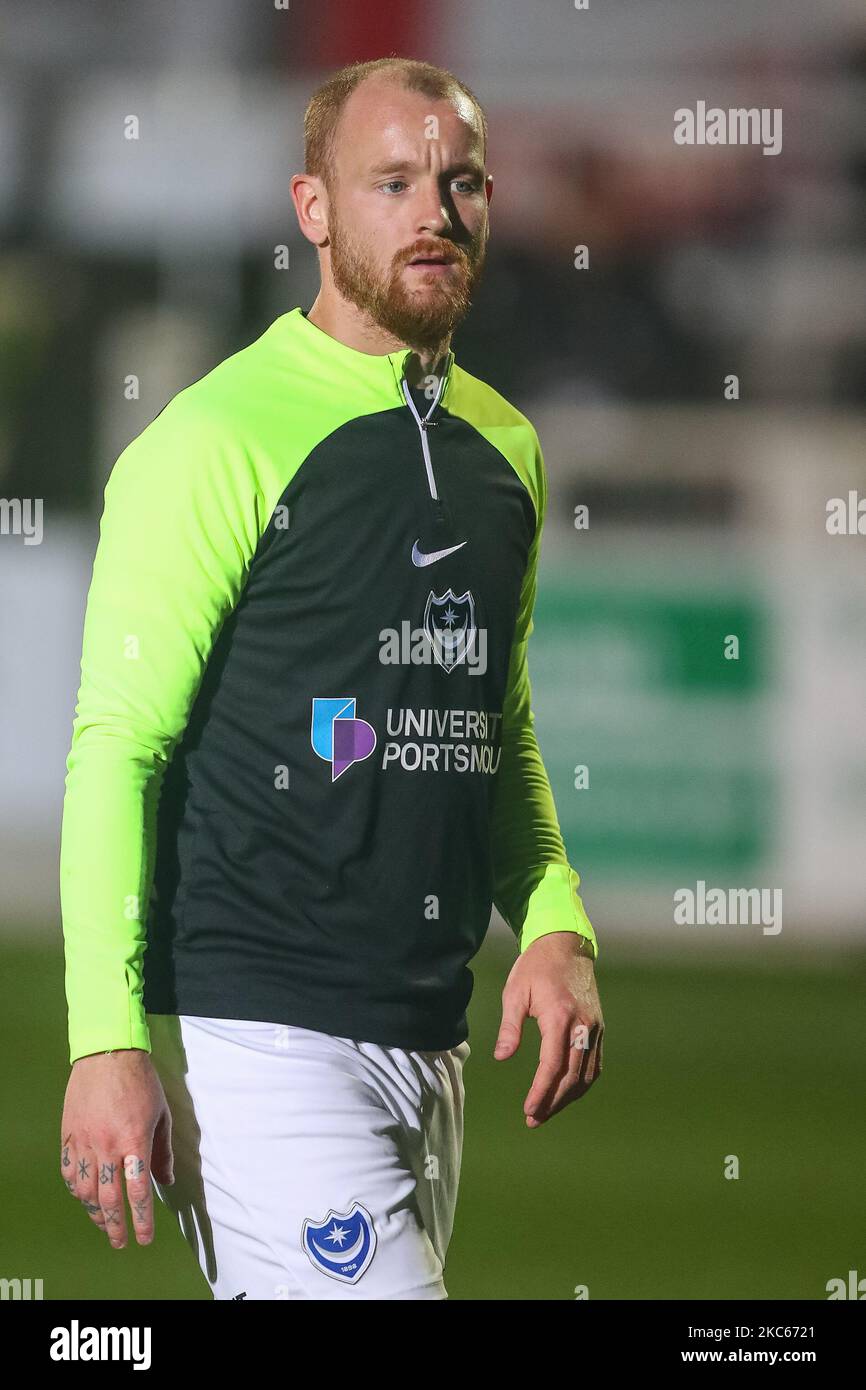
401,362
422,420
388,369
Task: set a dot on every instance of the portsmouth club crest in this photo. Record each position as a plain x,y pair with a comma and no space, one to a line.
449,622
342,1244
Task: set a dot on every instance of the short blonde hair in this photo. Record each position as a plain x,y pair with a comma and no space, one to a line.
326,104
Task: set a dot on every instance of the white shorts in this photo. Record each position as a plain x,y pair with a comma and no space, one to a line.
310,1166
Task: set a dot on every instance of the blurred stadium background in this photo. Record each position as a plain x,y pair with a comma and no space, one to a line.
151,259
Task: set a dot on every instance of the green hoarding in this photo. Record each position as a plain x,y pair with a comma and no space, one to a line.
639,685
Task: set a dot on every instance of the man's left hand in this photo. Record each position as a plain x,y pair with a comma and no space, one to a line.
553,983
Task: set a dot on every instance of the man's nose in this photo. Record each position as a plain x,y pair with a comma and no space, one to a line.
431,213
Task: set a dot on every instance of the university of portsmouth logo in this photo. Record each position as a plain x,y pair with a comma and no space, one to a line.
342,1244
337,735
449,622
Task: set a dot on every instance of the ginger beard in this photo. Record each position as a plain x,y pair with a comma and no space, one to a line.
422,317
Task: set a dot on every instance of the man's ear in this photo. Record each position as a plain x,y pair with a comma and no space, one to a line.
311,207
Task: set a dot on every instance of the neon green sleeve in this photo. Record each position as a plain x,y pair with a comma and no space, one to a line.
535,887
179,527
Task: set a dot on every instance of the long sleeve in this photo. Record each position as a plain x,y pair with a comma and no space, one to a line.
179,526
535,887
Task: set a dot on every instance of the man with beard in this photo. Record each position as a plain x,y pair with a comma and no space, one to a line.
306,835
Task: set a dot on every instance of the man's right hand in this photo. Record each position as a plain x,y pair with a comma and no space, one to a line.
116,1125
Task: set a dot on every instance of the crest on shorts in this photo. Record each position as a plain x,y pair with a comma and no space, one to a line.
342,1244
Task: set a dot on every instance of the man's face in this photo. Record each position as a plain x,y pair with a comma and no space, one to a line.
399,195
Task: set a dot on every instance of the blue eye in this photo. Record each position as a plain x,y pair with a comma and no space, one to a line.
469,185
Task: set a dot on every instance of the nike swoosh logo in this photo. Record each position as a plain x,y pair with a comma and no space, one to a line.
419,558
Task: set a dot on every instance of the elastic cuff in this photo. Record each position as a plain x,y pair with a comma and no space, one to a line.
554,906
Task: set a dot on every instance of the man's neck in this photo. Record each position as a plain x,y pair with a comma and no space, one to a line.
349,325
420,369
